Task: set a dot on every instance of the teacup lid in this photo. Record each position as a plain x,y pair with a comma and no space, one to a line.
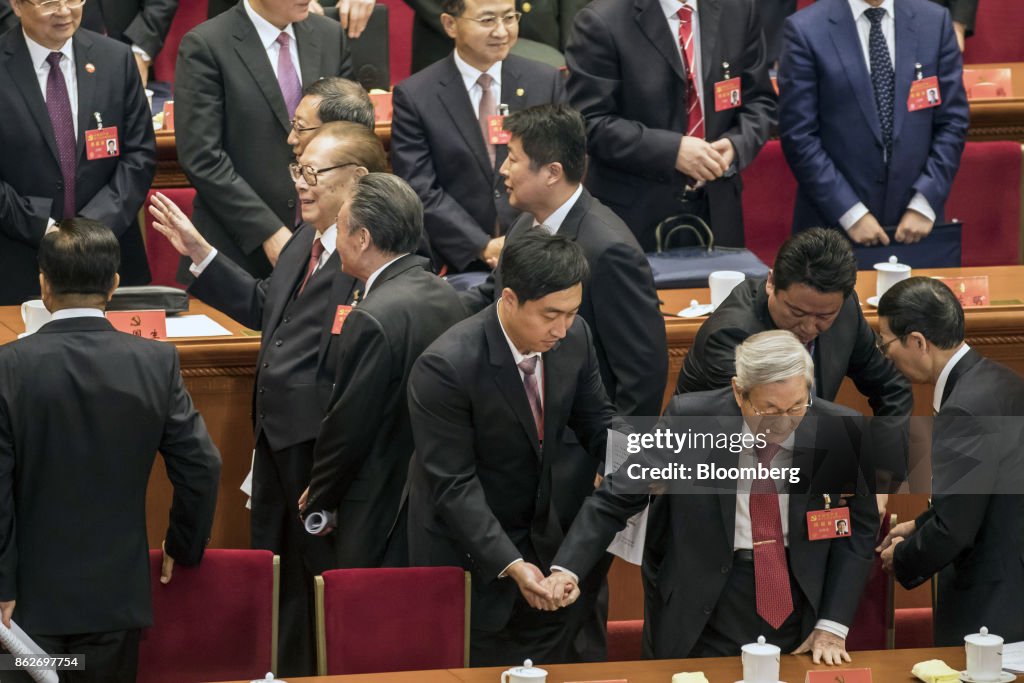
528,670
893,265
983,638
269,678
761,647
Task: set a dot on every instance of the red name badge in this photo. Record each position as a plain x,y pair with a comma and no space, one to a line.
924,93
102,143
727,94
825,524
339,318
496,133
844,675
149,324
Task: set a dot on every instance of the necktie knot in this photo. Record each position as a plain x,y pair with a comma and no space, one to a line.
685,14
53,59
317,250
767,454
485,81
284,40
529,365
875,14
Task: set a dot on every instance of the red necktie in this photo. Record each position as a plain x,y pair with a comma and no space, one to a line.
529,368
314,258
771,572
694,114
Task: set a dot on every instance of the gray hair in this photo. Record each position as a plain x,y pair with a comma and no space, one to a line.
772,356
342,100
390,211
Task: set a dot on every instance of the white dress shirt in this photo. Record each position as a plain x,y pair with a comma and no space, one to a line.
373,276
38,54
66,313
670,9
470,74
940,384
859,7
328,238
268,34
553,222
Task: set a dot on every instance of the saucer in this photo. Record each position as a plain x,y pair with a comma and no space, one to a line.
1004,677
23,335
742,681
872,301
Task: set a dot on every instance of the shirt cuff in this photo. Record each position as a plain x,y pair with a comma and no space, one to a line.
504,572
850,218
833,627
921,205
197,268
556,568
142,53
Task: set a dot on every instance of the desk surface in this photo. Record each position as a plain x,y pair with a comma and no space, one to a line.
888,666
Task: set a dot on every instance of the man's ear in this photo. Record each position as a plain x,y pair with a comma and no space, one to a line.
448,24
117,281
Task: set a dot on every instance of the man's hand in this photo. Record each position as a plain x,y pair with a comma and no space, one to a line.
172,223
492,251
7,611
562,587
882,500
167,566
528,577
960,29
355,15
824,646
889,555
143,65
868,232
273,245
913,227
699,160
724,147
900,531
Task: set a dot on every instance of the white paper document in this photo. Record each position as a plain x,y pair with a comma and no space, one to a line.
17,642
195,326
628,543
1013,657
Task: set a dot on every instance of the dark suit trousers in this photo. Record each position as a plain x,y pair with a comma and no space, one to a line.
279,478
735,622
530,634
111,657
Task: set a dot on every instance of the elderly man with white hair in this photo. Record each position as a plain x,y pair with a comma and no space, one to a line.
724,567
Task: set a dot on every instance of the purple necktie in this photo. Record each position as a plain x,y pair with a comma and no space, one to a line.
287,79
533,393
58,105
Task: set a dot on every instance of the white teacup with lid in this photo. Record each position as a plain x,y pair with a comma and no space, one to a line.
269,678
761,662
527,673
985,657
889,273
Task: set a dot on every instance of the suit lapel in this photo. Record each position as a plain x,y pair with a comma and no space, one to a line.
456,102
309,51
254,57
87,85
23,73
851,55
652,23
710,18
289,270
906,49
342,288
969,360
510,384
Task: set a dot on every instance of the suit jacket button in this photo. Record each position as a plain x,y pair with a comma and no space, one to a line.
497,194
278,342
291,203
60,185
263,390
266,365
263,416
725,569
287,320
707,609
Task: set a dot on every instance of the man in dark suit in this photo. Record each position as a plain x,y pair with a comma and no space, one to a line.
365,442
962,12
143,24
972,537
747,545
83,411
661,143
8,19
48,171
490,403
353,14
863,159
236,91
295,309
437,143
326,100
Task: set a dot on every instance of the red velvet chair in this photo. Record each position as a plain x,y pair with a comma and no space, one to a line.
383,620
769,195
162,257
873,626
190,14
997,31
626,640
914,627
986,196
214,622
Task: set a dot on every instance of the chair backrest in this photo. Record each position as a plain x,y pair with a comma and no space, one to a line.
626,640
769,195
382,620
214,622
189,14
873,626
997,29
162,257
986,197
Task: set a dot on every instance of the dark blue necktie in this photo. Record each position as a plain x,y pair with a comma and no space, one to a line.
883,79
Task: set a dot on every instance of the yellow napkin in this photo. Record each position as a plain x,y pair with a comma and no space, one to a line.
935,671
684,677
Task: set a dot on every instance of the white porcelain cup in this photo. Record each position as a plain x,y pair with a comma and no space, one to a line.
34,314
984,656
149,98
760,662
889,273
527,673
722,283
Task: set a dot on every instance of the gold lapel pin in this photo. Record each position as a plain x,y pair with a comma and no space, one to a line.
90,68
520,92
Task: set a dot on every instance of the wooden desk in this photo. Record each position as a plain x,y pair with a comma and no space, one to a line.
887,666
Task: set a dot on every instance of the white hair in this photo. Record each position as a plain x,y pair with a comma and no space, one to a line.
772,356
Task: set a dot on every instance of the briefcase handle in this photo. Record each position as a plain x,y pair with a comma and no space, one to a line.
686,223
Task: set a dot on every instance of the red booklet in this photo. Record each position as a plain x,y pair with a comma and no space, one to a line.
839,676
381,107
984,84
971,291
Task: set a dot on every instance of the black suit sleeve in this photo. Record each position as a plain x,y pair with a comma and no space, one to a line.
150,26
8,19
232,290
117,204
24,218
875,376
964,11
362,384
193,466
711,362
8,540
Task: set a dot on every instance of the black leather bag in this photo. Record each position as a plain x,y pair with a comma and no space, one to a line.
150,298
686,267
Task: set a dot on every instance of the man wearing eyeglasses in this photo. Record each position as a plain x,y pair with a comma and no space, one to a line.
238,82
326,100
295,309
441,130
64,94
745,541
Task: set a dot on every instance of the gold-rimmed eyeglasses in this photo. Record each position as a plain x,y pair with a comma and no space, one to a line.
300,129
48,7
884,346
490,22
312,175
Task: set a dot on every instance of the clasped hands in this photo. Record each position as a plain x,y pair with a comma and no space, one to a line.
702,160
548,594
